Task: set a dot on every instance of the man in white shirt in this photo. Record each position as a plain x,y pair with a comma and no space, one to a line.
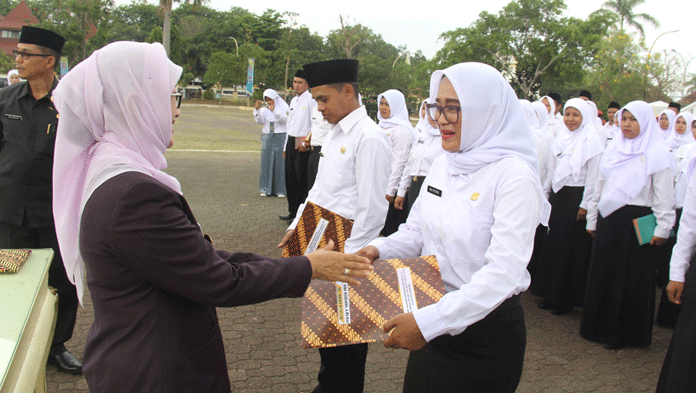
314,141
352,177
296,154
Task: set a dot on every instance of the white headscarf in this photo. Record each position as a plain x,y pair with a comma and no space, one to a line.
542,115
676,140
493,123
423,123
574,148
397,107
627,163
530,115
672,120
595,114
552,119
280,104
9,74
115,117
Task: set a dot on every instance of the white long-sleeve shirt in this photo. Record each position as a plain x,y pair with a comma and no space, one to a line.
320,127
682,156
300,118
265,117
587,179
686,238
400,140
657,195
481,228
352,177
425,150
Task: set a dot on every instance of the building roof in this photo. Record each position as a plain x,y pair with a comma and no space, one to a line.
21,15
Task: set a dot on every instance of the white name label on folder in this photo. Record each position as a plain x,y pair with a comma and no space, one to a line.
316,236
408,295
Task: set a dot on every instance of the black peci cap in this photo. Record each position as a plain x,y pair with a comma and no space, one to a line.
331,71
614,105
42,37
300,74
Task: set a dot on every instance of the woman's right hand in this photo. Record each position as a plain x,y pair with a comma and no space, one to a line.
257,104
330,265
591,232
369,252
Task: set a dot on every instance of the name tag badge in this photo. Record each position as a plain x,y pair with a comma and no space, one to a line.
435,191
13,117
421,141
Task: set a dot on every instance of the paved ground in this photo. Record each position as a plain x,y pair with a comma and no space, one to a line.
263,341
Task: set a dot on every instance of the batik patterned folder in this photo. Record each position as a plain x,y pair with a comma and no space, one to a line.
11,260
336,314
315,228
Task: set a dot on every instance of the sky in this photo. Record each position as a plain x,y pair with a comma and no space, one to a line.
418,28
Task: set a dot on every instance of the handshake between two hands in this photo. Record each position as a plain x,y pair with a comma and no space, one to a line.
330,265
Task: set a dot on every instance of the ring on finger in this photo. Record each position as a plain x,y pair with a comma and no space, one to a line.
345,272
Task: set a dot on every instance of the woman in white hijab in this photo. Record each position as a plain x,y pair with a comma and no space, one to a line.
394,120
553,124
666,122
273,118
479,215
681,132
635,180
574,160
12,77
154,280
426,148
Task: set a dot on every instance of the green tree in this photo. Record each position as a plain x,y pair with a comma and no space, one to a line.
221,69
616,74
625,11
528,41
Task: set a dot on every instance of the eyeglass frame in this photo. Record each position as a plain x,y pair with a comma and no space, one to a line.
27,55
177,97
441,111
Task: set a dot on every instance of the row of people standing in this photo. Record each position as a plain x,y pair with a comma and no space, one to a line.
596,191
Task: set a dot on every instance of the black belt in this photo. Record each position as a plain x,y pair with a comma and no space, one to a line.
418,178
315,148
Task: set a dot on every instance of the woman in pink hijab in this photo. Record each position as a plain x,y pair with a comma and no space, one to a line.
153,278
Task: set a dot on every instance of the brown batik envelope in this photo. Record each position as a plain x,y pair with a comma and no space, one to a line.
11,260
315,228
335,314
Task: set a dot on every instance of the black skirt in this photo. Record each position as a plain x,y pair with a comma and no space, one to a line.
395,217
679,370
561,273
620,294
486,357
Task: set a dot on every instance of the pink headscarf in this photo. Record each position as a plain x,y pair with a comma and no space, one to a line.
115,117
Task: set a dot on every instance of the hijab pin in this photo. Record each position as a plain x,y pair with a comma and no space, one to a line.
475,196
343,150
642,158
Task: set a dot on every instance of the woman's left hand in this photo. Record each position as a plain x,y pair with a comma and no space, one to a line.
582,215
399,203
403,333
658,241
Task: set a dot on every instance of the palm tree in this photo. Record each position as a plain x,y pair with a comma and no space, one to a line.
166,6
624,9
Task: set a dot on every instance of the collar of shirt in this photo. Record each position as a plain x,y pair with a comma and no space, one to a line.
26,90
351,119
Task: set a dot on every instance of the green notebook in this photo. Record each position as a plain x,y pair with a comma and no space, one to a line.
645,228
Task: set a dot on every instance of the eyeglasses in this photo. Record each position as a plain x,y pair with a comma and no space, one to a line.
451,112
26,55
177,97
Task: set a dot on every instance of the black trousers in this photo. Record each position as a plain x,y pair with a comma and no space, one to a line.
296,164
12,236
313,166
342,369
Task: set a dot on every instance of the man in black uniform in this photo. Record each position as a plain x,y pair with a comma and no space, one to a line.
28,123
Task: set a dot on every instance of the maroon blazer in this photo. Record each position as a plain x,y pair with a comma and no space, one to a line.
155,282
